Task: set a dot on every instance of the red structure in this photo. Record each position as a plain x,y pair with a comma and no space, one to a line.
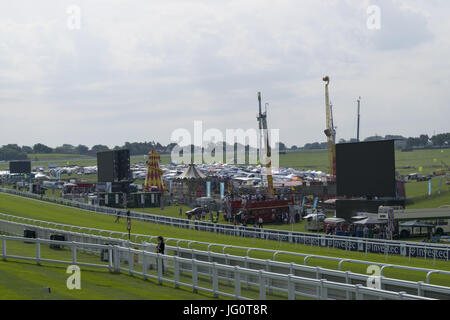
269,211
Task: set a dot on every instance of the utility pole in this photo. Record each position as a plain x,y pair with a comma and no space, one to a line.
357,129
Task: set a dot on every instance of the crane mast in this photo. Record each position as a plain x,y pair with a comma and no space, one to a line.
330,132
357,128
262,122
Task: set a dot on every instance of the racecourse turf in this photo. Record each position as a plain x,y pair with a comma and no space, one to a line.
50,212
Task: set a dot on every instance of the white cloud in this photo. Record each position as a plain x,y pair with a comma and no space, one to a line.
137,72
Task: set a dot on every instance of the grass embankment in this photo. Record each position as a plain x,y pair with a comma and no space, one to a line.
418,193
26,280
50,212
417,161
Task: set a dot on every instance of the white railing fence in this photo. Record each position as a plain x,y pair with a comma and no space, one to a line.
275,253
416,288
204,276
387,247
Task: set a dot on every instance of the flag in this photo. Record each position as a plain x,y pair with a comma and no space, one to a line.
391,220
316,199
440,186
208,188
222,190
429,187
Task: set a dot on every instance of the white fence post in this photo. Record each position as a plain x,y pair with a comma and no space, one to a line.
419,288
74,253
269,283
160,268
358,294
4,249
226,262
110,258
347,281
38,253
262,285
246,275
210,260
144,264
318,277
130,261
176,272
323,290
291,288
215,280
237,282
194,276
116,258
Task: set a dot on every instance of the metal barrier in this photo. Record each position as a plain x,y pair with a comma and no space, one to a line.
268,283
418,288
224,247
393,247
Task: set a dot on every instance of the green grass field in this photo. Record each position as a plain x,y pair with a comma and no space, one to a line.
418,192
50,212
406,162
57,156
24,280
173,211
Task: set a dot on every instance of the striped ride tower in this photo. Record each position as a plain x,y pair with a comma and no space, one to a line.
154,173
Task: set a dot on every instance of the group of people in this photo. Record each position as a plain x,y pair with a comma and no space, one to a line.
373,231
364,231
249,198
243,223
214,218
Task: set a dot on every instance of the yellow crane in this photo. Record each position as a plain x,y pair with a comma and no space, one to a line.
330,132
262,121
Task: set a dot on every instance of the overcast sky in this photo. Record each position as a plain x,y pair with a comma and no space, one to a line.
137,70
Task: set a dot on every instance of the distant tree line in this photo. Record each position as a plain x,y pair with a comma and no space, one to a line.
423,141
12,152
15,152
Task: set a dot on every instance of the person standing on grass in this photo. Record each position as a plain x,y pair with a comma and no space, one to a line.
181,211
260,222
366,232
160,248
117,216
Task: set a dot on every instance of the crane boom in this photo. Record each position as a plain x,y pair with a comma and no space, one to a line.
330,132
262,122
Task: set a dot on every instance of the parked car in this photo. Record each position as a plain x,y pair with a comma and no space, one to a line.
197,212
